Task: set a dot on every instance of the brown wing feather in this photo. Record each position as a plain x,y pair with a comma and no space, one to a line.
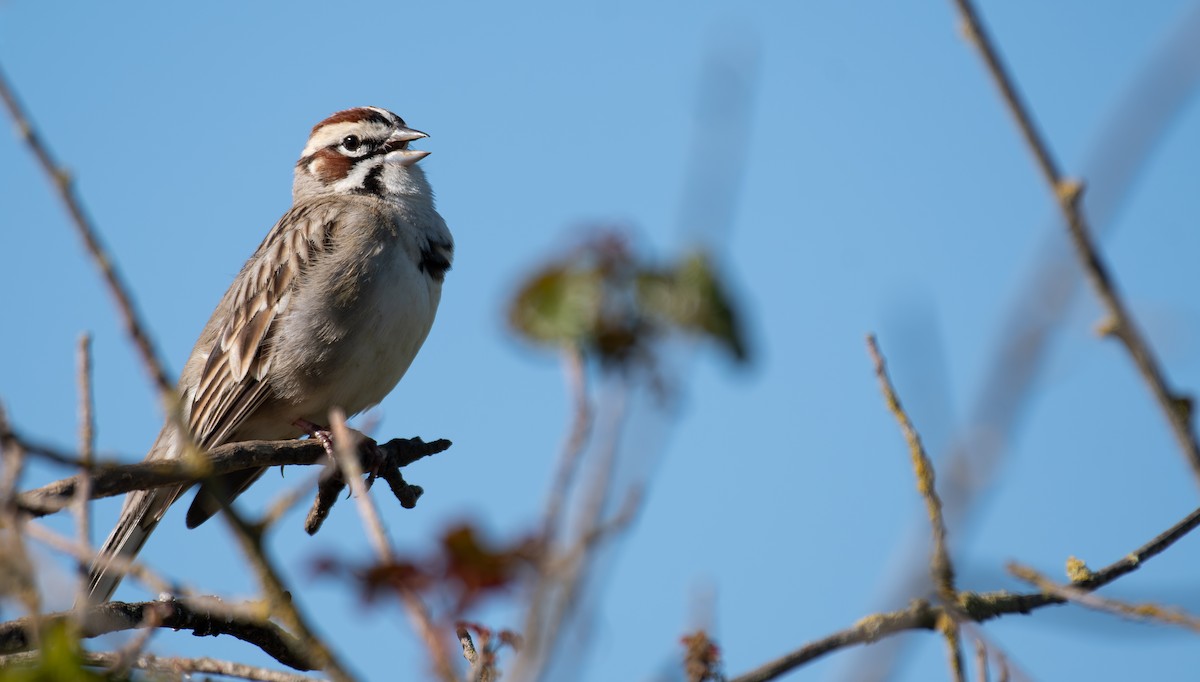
232,384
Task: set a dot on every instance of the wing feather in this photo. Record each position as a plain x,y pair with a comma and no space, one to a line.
233,381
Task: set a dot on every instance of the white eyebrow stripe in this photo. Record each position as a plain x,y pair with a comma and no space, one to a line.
332,134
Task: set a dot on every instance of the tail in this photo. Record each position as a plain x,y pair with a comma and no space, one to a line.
140,514
142,511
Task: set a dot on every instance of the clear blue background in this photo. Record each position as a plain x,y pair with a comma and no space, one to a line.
884,190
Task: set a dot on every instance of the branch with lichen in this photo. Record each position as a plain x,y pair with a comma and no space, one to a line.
940,566
1169,615
976,607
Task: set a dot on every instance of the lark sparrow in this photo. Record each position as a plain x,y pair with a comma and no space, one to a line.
328,312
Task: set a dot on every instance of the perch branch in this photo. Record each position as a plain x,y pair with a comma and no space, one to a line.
108,480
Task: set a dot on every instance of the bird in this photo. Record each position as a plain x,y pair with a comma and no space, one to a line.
329,311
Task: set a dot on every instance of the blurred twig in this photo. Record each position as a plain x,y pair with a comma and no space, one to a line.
940,566
981,661
131,651
345,444
16,570
581,425
1120,323
1152,612
279,598
177,666
87,447
84,553
566,565
65,186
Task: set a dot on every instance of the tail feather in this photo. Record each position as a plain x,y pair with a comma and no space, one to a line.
142,511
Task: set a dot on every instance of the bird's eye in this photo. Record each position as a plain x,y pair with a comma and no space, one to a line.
351,143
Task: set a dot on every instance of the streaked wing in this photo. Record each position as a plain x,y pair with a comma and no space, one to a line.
233,382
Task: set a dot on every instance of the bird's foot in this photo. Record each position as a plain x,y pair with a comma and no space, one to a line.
374,457
319,433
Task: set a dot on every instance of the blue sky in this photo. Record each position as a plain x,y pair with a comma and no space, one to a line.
883,190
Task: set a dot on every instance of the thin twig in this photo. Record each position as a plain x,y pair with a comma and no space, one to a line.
572,451
345,444
560,582
87,448
1161,614
951,635
981,661
14,558
85,553
480,671
63,183
1120,323
1158,94
1002,675
942,569
940,566
279,597
128,654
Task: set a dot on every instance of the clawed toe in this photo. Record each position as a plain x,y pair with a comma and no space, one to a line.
376,457
319,433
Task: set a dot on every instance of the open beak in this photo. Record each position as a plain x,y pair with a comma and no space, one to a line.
398,144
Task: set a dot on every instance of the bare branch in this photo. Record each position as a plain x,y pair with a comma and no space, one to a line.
942,569
162,664
1121,324
203,617
1154,612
